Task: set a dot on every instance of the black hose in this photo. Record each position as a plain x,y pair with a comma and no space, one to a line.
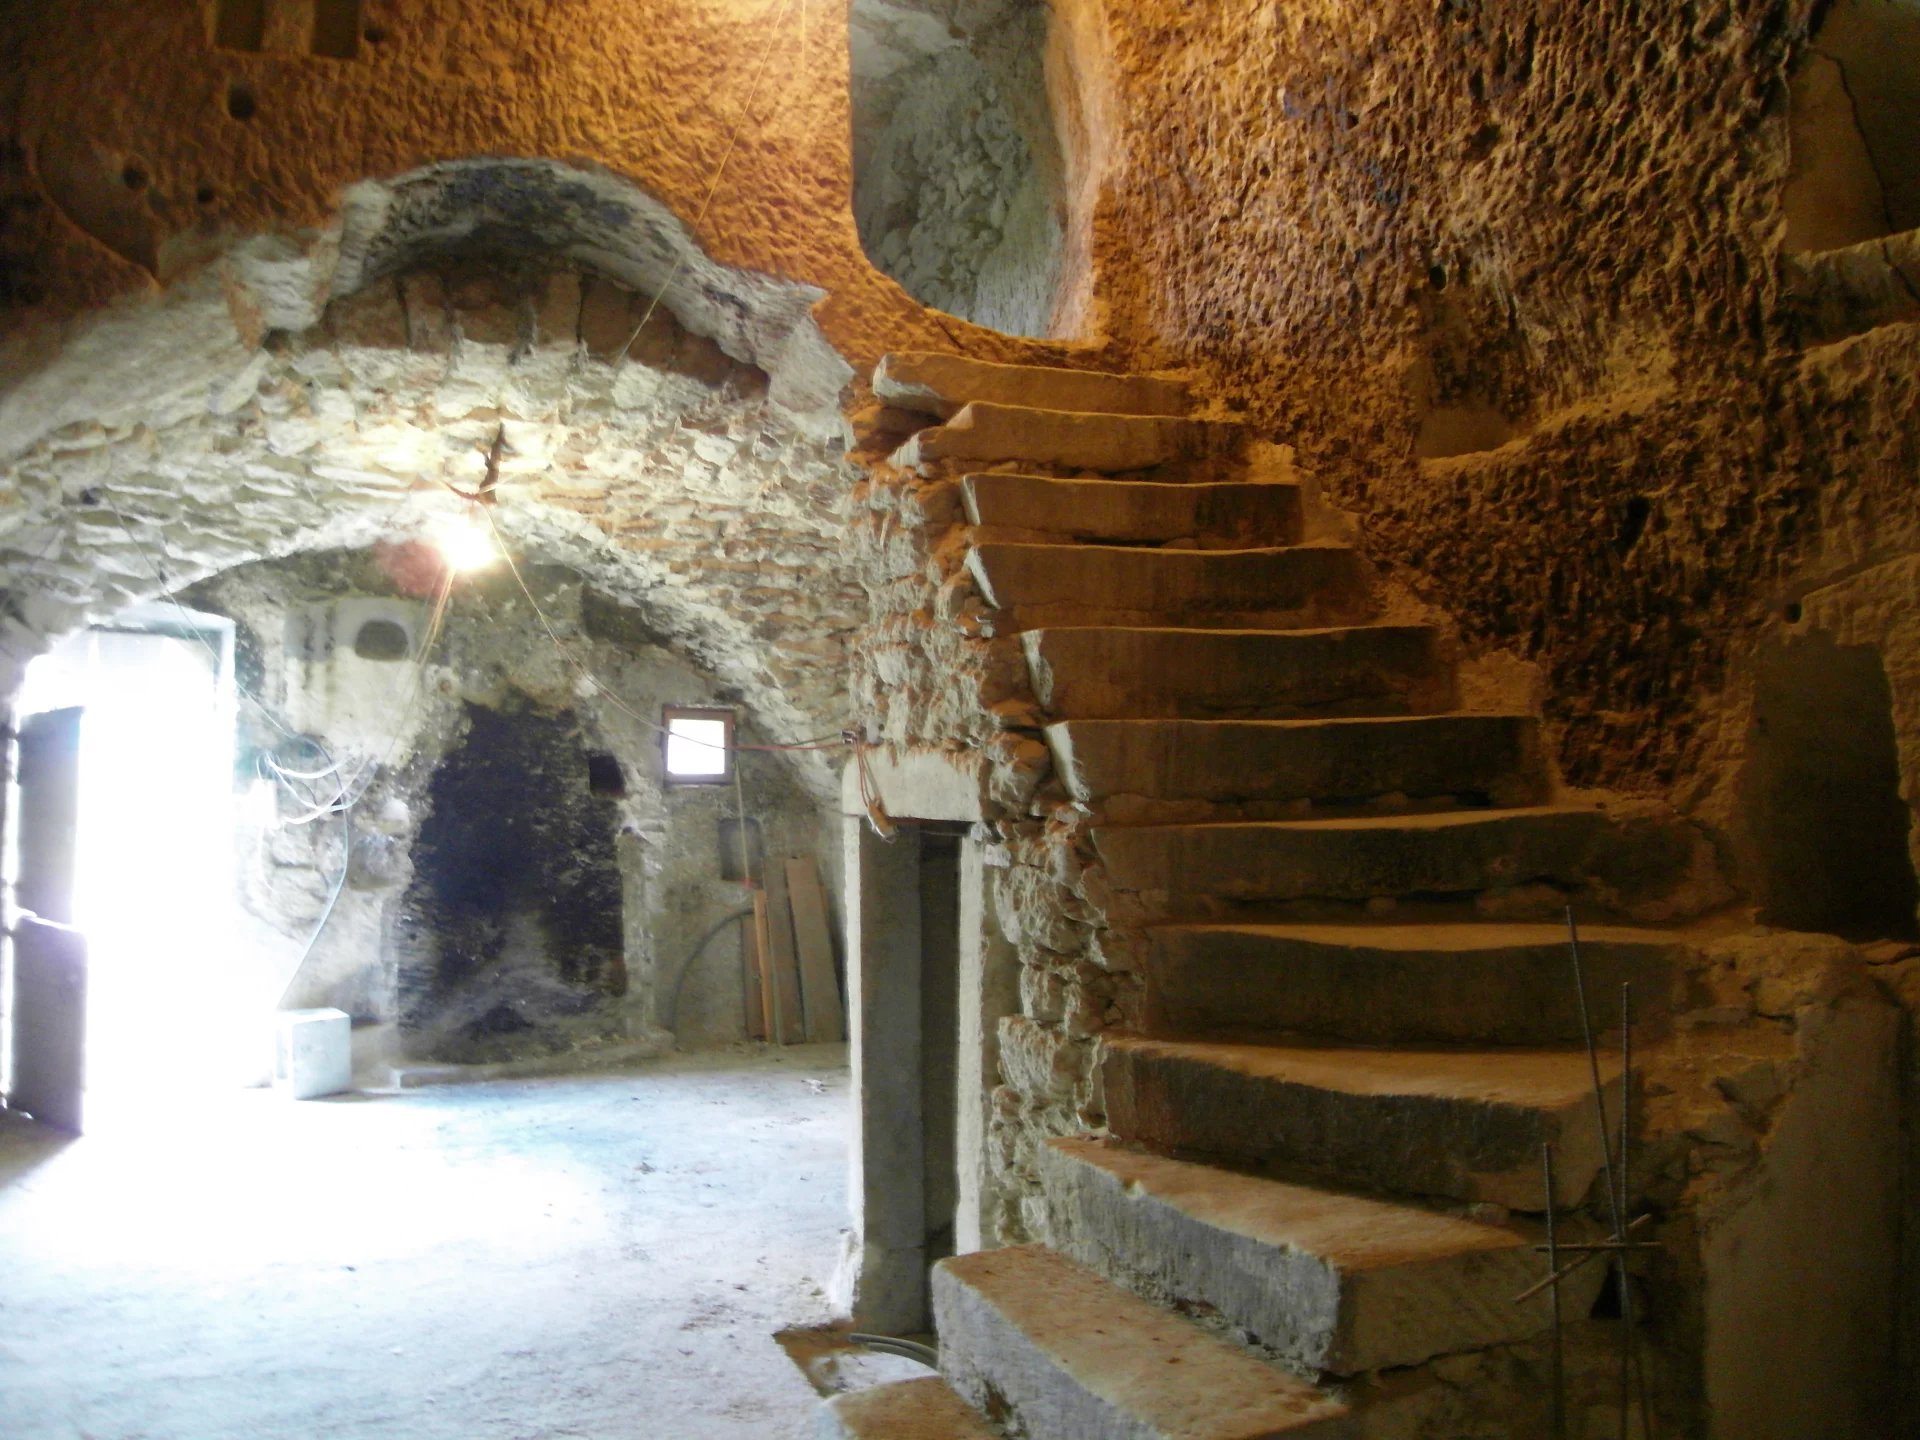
894,1345
673,995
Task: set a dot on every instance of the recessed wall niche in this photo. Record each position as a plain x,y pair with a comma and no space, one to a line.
957,168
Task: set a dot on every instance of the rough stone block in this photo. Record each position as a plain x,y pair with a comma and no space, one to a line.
1177,869
1039,585
1067,1354
1125,673
936,384
1467,1125
1135,511
1335,1282
1131,769
1071,440
1039,1059
1387,984
313,1053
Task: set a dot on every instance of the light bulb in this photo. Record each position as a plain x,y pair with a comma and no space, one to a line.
465,542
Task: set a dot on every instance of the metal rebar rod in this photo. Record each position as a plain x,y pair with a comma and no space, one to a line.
1626,1083
1593,1065
1571,1266
1635,1361
1620,1209
1558,1372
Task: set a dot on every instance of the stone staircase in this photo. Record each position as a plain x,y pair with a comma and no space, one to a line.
1352,1025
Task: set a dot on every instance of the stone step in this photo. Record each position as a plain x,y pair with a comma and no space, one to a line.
1176,871
1068,440
1334,1282
1504,984
903,1410
936,384
1068,1356
1034,586
1130,769
1456,1124
1118,672
1138,512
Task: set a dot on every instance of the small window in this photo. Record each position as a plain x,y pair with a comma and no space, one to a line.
699,745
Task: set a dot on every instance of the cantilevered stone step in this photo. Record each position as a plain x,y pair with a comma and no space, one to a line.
1334,1282
1071,1357
1504,984
1124,767
904,1410
1451,852
1300,585
1461,1124
1068,439
1114,672
1138,512
936,384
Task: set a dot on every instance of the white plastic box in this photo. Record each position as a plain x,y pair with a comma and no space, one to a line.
312,1053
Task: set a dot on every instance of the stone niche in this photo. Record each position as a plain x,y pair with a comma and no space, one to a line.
509,940
957,168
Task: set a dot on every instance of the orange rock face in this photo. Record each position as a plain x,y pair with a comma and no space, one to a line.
144,135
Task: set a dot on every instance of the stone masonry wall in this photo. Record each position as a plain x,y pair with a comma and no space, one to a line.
663,473
495,665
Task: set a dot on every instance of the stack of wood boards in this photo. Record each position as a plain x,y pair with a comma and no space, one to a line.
792,989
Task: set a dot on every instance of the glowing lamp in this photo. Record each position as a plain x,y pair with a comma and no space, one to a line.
465,542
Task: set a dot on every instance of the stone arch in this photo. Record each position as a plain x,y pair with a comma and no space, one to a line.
959,177
298,393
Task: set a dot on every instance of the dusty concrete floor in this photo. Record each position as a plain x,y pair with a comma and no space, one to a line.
597,1257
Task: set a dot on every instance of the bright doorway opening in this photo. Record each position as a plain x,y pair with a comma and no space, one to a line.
152,850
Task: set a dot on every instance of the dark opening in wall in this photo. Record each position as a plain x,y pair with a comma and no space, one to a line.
1854,127
382,640
240,24
743,853
1824,825
940,1036
336,28
510,941
604,775
957,168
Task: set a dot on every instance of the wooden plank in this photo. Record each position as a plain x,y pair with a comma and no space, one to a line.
819,985
753,978
785,1022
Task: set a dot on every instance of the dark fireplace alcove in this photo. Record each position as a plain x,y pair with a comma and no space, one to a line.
509,940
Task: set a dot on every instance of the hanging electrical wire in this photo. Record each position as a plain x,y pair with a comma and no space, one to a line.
351,791
720,170
839,740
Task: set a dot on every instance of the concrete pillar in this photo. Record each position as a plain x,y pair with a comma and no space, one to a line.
888,1283
939,1035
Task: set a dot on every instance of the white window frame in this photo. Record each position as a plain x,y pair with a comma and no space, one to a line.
727,718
